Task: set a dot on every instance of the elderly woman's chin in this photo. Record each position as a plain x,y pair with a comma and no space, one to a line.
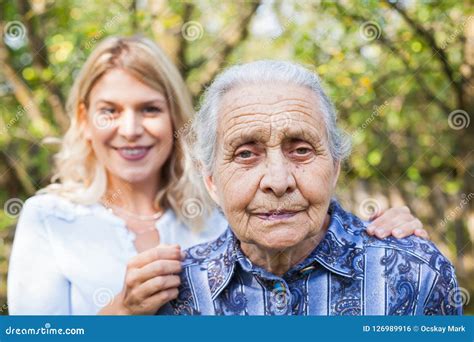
278,236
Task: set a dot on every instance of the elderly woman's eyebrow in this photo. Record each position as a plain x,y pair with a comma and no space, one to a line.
295,135
246,137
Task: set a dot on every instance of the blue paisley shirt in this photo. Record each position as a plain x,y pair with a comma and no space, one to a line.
348,273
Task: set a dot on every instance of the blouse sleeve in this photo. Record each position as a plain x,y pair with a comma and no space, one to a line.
446,298
35,284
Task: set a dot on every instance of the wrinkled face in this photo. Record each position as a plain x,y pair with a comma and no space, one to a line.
274,175
129,127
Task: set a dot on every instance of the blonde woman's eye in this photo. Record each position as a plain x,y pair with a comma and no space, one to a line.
152,110
107,110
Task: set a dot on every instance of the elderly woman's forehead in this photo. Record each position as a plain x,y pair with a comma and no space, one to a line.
267,93
268,99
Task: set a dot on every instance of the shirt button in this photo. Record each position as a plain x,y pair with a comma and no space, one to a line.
279,287
279,297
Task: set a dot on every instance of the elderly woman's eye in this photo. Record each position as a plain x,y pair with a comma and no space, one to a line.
245,154
302,150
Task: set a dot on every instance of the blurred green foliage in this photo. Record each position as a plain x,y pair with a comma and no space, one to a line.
400,74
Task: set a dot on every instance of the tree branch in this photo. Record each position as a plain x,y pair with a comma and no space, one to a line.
41,61
20,173
421,82
22,93
400,54
438,52
183,44
219,58
133,11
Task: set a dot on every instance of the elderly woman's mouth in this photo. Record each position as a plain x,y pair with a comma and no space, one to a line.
277,215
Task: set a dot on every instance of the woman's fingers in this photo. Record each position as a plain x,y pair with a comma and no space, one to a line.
376,214
396,230
158,284
161,298
141,304
379,222
151,279
402,230
420,232
391,218
161,252
157,268
376,227
405,229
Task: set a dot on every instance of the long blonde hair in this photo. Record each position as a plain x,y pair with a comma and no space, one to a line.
81,178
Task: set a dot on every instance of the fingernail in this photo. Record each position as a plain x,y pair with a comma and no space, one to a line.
380,232
421,233
370,229
397,232
183,255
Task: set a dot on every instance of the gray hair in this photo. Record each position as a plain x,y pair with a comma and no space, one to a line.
204,126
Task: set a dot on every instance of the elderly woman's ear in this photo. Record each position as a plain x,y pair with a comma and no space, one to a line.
337,171
211,188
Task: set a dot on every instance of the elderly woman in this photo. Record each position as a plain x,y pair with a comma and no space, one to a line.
270,152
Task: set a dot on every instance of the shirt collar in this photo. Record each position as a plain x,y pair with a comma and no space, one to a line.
341,251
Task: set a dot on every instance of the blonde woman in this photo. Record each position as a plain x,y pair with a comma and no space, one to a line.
106,236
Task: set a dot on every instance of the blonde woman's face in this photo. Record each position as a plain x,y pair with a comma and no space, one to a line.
129,127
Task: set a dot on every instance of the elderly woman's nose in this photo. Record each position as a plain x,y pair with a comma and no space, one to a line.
278,177
130,125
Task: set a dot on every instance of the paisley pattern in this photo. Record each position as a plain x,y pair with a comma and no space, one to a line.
234,301
184,304
348,273
348,303
444,301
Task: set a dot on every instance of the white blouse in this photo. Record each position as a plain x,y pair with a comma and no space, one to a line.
70,259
